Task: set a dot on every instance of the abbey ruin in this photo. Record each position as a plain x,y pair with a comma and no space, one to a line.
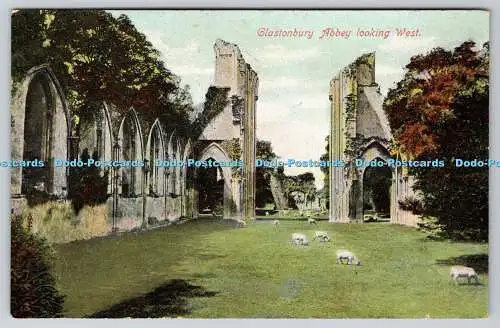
360,130
43,128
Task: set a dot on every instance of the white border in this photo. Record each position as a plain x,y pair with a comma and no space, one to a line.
494,252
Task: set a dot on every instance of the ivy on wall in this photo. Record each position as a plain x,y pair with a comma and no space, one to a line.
234,151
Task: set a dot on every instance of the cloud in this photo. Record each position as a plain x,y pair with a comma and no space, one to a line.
281,82
297,140
384,70
409,45
274,55
292,106
185,70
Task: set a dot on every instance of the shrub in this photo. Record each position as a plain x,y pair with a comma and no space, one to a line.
33,290
432,228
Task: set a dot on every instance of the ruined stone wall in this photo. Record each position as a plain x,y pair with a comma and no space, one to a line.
357,119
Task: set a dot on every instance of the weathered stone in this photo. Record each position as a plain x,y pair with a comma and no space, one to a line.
360,129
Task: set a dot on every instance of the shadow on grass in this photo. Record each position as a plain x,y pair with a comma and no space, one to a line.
168,300
479,262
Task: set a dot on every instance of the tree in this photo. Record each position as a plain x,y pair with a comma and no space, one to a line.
33,288
263,193
97,57
300,189
326,170
440,110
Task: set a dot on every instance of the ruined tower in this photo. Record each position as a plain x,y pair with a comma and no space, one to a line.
360,130
235,124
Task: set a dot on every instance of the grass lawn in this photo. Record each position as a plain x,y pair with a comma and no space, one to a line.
207,270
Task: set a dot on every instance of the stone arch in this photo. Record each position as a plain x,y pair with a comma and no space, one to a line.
170,170
184,177
155,150
130,149
376,150
40,130
216,152
96,136
177,169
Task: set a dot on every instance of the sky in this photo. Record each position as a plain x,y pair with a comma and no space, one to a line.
294,72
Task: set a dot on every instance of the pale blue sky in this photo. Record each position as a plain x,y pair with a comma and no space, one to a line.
294,74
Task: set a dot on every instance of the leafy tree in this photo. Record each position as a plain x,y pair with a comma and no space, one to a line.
325,170
88,185
33,289
440,110
98,57
300,189
263,193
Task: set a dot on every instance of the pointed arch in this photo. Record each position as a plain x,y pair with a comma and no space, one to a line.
40,129
177,169
216,152
131,150
155,151
170,157
185,157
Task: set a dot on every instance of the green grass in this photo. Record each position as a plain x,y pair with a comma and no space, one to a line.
254,272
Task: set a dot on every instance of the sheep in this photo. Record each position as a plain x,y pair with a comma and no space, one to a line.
311,221
299,239
460,271
236,223
322,236
343,254
276,223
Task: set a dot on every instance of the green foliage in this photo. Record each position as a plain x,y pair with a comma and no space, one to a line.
263,193
325,170
441,110
350,109
216,99
300,184
33,289
97,57
88,186
233,148
432,228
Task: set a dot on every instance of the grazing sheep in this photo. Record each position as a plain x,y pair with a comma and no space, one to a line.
311,221
460,271
276,223
343,254
235,223
299,239
322,236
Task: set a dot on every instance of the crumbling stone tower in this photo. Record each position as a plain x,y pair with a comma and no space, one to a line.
360,130
231,134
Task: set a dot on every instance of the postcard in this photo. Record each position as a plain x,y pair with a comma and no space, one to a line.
249,163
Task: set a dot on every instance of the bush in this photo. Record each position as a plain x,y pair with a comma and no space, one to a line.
432,228
33,290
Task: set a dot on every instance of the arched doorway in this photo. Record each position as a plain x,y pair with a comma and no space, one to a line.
376,193
210,186
215,184
39,131
38,136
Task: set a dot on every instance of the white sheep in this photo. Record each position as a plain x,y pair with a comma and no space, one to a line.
322,236
311,221
276,223
343,254
460,271
299,239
